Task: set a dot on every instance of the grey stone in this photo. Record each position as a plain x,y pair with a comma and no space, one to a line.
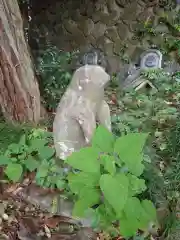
158,40
70,26
79,38
134,41
100,42
108,48
123,3
130,50
114,10
92,40
145,14
77,15
96,17
118,44
99,30
101,7
134,26
123,31
161,28
111,33
136,54
114,64
86,26
131,11
112,6
105,18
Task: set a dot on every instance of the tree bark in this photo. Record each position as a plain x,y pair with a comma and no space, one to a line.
19,90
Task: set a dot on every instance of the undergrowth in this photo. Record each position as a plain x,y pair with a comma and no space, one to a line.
53,68
157,113
89,183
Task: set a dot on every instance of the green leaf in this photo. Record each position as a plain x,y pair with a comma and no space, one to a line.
46,152
133,208
149,208
42,170
75,183
37,144
4,160
93,216
128,227
103,139
60,183
14,159
136,185
110,211
14,148
148,214
14,171
108,163
78,180
85,160
31,164
89,198
22,140
129,148
115,190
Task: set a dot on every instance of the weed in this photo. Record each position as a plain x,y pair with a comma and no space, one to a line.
107,184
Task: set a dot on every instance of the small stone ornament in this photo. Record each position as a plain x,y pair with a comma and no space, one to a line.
151,58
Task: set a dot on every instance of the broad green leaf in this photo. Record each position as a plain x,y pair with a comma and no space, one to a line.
42,170
148,214
37,144
90,198
128,227
130,144
108,163
129,148
60,183
22,139
85,160
22,156
91,193
136,185
93,216
14,171
133,208
149,208
115,190
14,159
103,139
46,152
14,148
78,180
75,183
110,211
31,164
4,160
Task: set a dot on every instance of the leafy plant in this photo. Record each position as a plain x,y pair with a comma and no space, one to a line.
50,175
157,113
27,154
105,180
53,68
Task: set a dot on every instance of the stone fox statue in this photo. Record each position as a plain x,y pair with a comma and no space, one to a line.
80,107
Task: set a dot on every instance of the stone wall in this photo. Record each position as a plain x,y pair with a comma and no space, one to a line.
105,24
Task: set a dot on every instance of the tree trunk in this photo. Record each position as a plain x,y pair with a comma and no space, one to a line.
19,90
